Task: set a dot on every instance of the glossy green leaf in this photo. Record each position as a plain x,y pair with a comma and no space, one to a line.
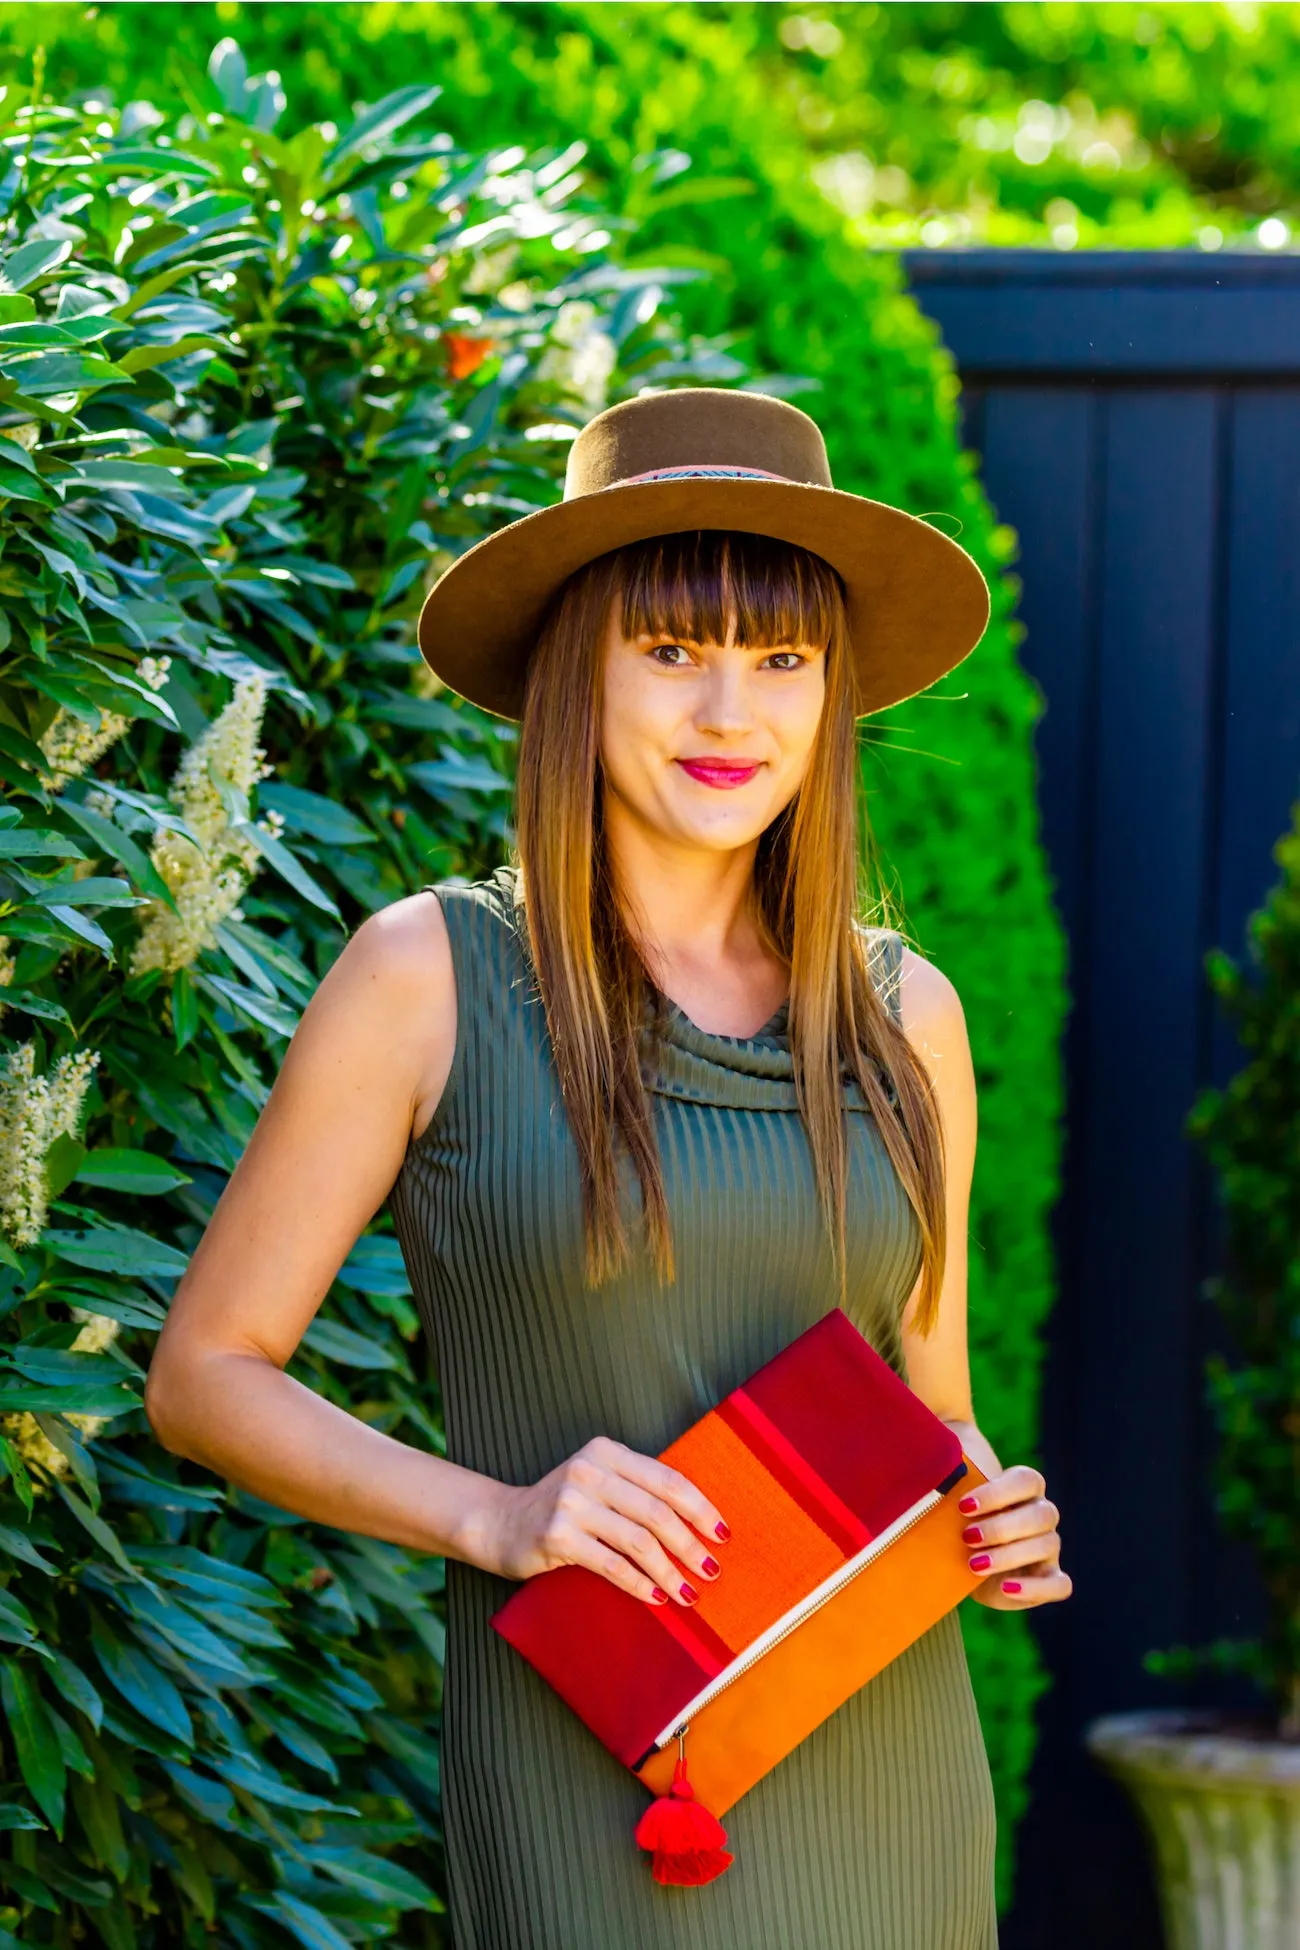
122,1170
312,814
16,1623
35,1741
73,1753
63,1367
373,1876
69,1679
348,1348
115,1249
31,262
267,1785
187,1633
290,868
32,842
380,121
61,372
141,1683
14,1816
100,1532
17,997
94,890
376,1265
99,1810
79,926
305,1924
14,1543
212,1801
29,1886
454,772
103,1398
120,846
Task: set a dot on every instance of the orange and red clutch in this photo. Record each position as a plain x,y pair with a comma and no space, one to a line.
840,1488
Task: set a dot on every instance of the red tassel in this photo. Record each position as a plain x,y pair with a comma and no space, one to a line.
688,1841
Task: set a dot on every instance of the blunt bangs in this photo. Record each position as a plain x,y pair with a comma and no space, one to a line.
689,585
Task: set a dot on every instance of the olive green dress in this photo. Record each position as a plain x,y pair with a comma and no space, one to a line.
877,1832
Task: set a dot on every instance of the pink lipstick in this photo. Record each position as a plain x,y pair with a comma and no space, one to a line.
718,771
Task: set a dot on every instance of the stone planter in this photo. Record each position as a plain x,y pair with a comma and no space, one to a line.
1220,1800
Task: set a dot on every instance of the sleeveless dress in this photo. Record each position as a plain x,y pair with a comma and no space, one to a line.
877,1832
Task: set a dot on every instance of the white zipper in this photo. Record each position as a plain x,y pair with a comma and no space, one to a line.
786,1624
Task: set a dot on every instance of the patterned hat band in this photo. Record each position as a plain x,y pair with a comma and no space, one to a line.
700,473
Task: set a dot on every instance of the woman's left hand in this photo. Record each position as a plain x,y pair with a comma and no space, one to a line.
1015,1547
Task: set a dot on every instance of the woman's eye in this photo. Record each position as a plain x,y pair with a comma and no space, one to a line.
671,655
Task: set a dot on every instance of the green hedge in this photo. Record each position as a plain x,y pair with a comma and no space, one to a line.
931,122
783,294
251,388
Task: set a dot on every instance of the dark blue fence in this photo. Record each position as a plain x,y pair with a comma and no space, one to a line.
1138,419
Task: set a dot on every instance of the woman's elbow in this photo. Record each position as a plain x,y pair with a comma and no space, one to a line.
159,1408
171,1402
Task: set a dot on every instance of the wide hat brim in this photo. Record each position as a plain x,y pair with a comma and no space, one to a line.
916,602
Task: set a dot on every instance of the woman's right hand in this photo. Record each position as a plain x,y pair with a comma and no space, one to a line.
615,1511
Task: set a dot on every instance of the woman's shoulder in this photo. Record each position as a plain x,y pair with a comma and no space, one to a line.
416,942
432,967
461,915
917,990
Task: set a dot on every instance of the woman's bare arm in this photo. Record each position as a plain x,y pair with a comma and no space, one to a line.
367,1065
938,1365
1013,1536
320,1163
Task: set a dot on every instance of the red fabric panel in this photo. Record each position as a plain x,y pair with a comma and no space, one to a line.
854,1421
782,1460
709,1651
606,1653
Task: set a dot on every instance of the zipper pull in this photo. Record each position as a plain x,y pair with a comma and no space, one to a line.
689,1843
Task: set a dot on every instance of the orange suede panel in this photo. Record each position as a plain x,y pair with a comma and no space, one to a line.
756,1720
784,1552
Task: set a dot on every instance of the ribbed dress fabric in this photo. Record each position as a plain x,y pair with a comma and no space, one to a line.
877,1832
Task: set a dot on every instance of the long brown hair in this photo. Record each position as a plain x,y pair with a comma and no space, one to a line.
814,884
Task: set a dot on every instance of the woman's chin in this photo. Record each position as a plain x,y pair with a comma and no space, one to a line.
721,837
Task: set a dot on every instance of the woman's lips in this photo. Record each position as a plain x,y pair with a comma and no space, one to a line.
709,772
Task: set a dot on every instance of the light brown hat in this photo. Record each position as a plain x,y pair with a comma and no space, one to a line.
708,457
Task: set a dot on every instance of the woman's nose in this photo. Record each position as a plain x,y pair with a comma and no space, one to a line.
728,703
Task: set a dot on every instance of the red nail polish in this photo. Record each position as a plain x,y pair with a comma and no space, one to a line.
1009,1584
982,1562
710,1567
660,1597
722,1530
972,1534
968,1503
689,1593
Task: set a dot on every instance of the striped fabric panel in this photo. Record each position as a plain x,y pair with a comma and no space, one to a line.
778,1551
810,1491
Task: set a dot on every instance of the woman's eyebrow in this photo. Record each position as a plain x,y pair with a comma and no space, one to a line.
704,643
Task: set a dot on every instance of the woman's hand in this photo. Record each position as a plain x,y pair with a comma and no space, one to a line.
618,1512
1013,1540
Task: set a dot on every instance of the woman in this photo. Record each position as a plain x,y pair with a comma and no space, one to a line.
646,1102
